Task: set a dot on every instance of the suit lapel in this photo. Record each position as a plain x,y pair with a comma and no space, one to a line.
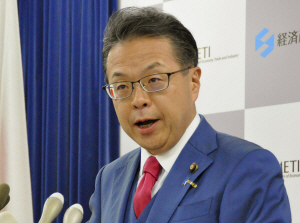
123,181
202,142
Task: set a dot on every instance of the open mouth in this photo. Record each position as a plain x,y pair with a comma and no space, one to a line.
146,124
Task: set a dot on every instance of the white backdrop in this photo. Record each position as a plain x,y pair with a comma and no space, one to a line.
250,83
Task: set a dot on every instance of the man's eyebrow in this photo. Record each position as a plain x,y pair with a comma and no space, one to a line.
118,74
149,67
153,65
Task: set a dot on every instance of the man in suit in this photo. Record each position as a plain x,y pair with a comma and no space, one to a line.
184,171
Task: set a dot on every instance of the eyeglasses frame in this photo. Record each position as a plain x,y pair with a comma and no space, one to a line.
139,81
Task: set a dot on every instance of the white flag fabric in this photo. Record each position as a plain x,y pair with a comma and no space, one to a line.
14,158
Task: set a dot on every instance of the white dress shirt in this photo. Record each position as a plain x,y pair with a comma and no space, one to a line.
167,159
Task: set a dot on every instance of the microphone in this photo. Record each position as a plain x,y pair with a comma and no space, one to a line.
6,202
52,208
6,217
4,197
74,214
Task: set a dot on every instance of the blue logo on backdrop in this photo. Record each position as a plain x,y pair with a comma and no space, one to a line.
269,43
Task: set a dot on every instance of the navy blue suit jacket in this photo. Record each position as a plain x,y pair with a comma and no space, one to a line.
237,182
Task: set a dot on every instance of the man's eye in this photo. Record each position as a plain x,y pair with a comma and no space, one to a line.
154,80
122,87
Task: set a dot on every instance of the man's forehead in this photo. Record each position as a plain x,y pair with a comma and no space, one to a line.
140,55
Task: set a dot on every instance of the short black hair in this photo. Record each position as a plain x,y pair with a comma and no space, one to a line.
133,22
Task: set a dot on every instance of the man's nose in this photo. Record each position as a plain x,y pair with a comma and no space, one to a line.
141,98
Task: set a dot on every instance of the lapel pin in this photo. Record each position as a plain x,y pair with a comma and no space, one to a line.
187,180
193,167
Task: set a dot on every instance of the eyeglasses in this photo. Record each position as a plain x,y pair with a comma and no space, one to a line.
150,83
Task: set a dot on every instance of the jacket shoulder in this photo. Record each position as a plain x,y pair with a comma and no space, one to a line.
122,161
234,146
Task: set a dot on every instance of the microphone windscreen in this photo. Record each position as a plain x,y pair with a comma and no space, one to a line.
6,217
7,200
4,192
52,208
74,214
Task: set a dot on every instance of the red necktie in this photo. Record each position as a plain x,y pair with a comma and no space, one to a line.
142,195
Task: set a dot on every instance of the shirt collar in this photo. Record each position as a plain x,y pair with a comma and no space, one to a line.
168,158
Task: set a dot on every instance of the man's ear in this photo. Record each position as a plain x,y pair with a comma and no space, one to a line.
195,82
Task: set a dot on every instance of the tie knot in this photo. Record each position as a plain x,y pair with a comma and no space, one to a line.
152,166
